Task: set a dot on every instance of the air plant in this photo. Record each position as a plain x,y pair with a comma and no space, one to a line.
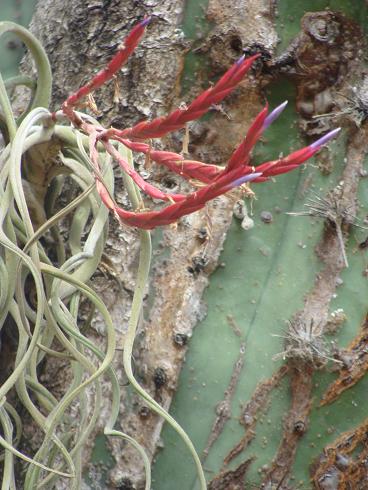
60,284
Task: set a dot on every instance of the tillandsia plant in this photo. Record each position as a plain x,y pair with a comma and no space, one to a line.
48,322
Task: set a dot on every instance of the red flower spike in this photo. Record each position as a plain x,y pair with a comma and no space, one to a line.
170,214
296,158
141,183
177,119
134,145
259,180
204,172
101,189
293,160
105,196
281,170
241,155
265,168
126,49
223,183
190,169
284,165
217,180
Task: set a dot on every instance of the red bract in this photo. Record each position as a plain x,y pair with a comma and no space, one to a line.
193,202
190,169
241,155
215,180
125,50
177,119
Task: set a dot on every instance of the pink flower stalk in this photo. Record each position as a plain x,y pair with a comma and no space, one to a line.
189,169
296,158
216,180
170,214
177,119
142,184
103,76
241,155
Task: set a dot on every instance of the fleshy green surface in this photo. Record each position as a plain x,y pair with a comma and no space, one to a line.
101,462
268,270
11,49
290,12
195,26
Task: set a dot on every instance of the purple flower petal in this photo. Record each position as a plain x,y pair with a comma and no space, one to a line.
145,22
325,139
240,60
274,115
244,179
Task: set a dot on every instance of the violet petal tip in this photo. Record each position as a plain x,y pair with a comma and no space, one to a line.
244,179
274,115
325,139
146,21
240,60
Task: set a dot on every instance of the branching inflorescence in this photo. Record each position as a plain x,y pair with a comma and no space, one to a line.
49,327
216,180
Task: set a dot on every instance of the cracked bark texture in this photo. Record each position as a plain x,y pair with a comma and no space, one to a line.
80,36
